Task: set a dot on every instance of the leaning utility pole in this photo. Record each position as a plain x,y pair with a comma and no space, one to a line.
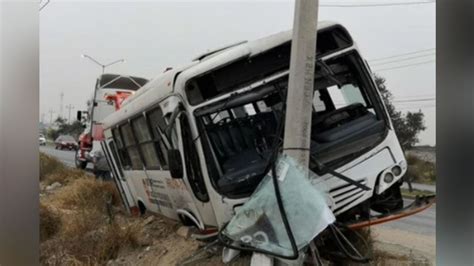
301,81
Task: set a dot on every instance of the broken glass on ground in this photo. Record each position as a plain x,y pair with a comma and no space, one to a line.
258,223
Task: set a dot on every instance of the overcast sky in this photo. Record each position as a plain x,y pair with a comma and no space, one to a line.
154,35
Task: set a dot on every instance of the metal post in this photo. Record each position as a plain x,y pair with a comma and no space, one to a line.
301,81
103,66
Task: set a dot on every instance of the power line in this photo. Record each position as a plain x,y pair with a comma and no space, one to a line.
403,66
378,5
400,60
400,55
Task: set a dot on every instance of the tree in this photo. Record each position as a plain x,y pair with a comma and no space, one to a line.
407,126
74,129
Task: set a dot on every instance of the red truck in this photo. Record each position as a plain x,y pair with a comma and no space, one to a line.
109,93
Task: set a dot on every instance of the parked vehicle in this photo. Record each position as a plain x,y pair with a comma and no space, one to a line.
42,140
65,142
109,93
194,143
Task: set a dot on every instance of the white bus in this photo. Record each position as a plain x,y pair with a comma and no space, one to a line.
192,144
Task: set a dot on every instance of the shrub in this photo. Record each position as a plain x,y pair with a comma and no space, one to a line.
420,171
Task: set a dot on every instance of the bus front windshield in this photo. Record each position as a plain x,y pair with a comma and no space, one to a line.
240,132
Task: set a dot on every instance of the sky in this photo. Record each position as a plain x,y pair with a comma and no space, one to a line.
153,35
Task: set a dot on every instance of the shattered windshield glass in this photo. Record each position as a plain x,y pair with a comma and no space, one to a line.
258,223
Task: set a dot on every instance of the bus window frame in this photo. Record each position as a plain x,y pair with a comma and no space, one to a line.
192,160
132,145
139,144
161,141
126,163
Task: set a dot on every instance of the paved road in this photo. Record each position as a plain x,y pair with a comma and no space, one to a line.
420,223
65,156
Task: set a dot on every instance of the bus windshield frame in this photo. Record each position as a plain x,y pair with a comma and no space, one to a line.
249,117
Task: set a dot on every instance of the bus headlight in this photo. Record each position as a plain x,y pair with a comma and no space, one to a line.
396,170
388,177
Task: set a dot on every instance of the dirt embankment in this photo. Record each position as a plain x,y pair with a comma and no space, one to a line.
83,223
407,247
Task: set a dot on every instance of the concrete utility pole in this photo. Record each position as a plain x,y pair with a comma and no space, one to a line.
69,107
301,81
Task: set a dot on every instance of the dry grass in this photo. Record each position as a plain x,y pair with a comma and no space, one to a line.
88,193
50,222
86,245
64,176
49,165
52,170
421,171
77,224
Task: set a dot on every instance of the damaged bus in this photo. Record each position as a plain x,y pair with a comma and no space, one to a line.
194,143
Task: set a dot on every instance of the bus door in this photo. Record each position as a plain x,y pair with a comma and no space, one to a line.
189,177
110,151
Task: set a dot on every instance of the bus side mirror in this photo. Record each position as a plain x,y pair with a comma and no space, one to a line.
175,164
79,115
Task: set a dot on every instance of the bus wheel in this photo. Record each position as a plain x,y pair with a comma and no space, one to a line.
389,201
79,164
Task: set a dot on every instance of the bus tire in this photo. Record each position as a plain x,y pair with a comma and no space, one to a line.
390,200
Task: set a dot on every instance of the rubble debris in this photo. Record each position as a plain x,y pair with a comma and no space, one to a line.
53,186
184,231
148,220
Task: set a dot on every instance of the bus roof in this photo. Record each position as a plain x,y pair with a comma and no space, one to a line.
167,82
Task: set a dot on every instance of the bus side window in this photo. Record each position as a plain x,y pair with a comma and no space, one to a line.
114,152
158,126
193,168
124,158
130,146
145,143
